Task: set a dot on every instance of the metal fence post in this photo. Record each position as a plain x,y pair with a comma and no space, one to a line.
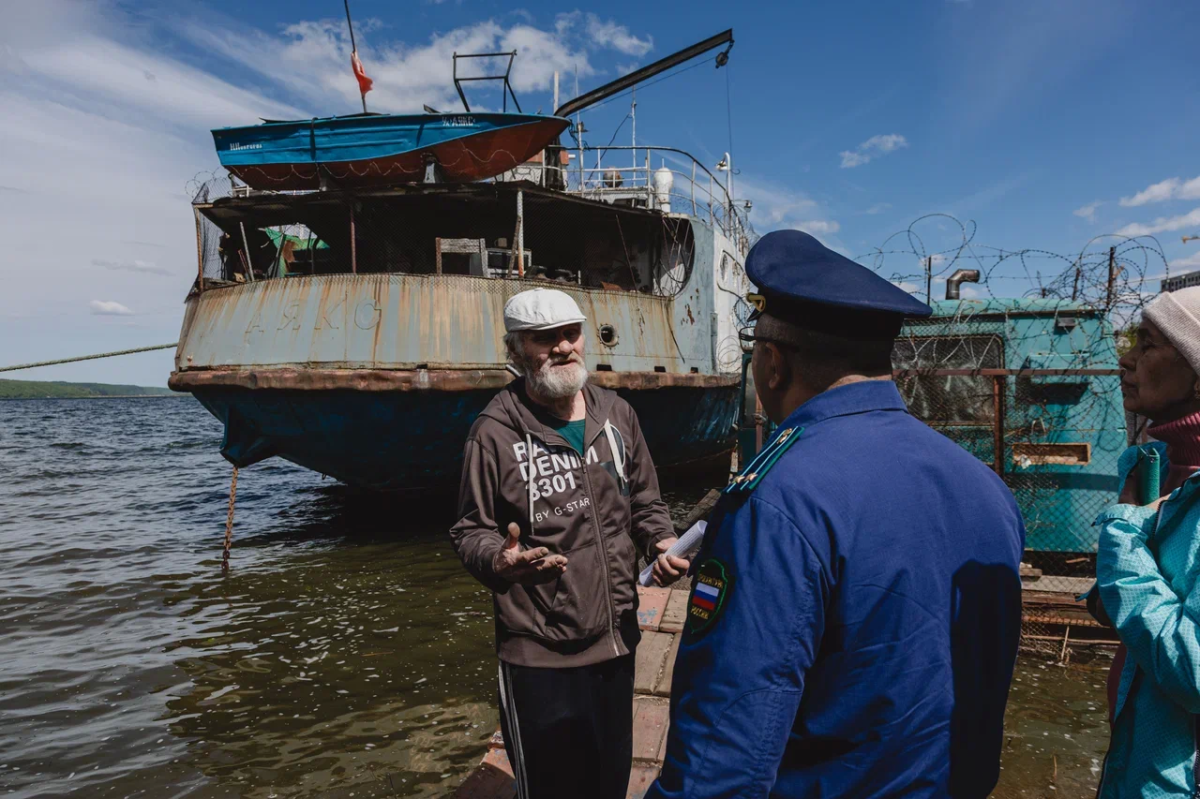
521,234
199,249
693,187
998,391
353,243
249,257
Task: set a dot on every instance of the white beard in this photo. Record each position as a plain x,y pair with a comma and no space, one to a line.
556,382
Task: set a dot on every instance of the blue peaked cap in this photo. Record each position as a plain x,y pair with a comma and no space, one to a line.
809,284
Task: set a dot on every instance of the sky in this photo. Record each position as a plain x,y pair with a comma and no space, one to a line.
1039,124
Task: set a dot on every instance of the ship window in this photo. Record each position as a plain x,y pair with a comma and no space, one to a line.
608,335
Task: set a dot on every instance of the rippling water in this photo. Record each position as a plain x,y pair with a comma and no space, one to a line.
345,646
345,653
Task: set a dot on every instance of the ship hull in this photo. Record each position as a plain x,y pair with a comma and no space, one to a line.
413,439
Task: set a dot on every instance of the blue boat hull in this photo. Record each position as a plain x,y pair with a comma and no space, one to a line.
409,440
377,149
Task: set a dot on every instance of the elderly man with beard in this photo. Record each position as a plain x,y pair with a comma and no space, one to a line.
558,498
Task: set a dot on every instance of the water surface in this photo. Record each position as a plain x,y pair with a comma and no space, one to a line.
345,652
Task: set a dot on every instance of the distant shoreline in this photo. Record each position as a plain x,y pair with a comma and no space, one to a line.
101,397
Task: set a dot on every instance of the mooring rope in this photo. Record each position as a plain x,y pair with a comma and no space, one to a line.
89,357
229,521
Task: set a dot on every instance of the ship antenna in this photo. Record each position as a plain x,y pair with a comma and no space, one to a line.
354,53
729,118
633,116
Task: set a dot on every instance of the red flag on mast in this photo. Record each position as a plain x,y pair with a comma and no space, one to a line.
364,83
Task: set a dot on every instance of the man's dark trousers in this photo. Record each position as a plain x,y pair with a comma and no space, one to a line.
569,732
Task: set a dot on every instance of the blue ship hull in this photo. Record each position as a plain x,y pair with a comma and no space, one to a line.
409,440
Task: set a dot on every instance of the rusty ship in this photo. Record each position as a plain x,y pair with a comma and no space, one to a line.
356,330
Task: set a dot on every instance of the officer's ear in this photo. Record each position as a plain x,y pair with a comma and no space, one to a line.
778,367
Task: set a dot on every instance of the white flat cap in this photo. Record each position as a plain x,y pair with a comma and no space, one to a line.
541,309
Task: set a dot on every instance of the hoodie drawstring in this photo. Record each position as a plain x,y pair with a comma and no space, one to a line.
529,482
618,453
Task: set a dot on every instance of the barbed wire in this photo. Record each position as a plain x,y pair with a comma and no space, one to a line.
1053,439
1110,271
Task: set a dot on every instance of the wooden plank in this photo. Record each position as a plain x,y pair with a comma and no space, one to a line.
675,614
640,780
649,727
493,779
651,653
662,687
652,602
701,511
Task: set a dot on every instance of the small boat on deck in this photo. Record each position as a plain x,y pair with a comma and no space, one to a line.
365,150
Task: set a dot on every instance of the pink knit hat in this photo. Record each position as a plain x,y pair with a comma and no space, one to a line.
1177,315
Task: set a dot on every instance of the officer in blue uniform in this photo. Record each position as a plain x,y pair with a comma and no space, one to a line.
856,604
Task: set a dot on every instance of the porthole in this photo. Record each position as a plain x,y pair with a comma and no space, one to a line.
608,335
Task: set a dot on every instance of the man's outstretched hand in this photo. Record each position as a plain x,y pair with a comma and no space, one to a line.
527,567
668,568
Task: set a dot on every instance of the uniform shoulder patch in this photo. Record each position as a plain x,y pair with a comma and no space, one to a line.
754,472
710,593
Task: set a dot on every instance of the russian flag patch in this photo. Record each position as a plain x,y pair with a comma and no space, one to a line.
710,592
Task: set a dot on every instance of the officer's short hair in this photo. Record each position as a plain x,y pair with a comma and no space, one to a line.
821,357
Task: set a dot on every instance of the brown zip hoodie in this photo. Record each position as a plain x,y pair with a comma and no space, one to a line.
590,509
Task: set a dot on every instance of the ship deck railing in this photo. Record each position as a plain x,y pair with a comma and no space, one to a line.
625,174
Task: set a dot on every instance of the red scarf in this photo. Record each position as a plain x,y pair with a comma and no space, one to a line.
1182,438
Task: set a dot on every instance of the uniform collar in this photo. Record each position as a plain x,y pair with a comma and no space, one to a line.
868,395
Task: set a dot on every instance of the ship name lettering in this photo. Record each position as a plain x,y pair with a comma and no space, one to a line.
291,315
330,309
367,314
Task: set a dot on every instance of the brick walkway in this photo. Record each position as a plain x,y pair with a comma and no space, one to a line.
660,615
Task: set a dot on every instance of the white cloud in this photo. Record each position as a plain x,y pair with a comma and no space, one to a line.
871,149
878,208
1169,189
1088,211
611,35
1163,225
313,57
778,207
1187,262
819,227
136,265
109,308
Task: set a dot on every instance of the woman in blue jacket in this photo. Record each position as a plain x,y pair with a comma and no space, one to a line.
1148,563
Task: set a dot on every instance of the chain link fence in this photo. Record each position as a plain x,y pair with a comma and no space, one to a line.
1053,437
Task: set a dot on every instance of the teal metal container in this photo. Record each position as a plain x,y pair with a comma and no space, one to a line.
1031,387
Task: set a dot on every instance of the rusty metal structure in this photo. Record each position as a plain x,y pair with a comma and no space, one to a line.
358,333
357,330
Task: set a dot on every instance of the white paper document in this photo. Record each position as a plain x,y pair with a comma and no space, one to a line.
684,548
